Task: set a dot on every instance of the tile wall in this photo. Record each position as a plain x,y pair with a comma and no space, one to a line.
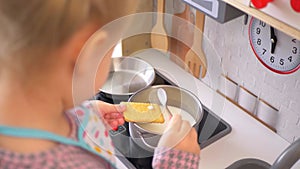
229,53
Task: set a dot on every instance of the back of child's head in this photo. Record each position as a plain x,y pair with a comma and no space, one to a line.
36,26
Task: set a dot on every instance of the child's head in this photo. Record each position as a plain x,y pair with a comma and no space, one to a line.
41,40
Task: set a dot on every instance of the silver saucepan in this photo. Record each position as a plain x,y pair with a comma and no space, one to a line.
127,75
147,135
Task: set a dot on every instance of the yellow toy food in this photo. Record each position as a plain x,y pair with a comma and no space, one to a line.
143,112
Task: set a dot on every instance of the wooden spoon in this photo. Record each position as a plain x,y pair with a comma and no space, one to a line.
159,38
197,63
178,48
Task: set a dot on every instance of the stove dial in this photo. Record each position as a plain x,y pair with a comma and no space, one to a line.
260,3
295,5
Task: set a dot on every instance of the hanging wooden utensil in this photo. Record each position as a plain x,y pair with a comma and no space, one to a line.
159,38
197,63
179,48
136,43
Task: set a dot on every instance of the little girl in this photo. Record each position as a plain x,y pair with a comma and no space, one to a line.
44,121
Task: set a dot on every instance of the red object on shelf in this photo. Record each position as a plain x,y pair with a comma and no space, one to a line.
261,3
295,5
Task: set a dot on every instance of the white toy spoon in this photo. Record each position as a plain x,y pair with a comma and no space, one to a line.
162,96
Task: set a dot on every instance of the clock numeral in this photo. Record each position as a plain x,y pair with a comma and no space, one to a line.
294,50
258,31
272,59
263,24
281,61
264,51
294,40
290,58
258,41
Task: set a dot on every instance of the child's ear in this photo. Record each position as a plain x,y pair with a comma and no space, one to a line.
72,48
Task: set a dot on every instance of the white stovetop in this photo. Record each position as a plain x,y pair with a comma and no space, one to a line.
248,138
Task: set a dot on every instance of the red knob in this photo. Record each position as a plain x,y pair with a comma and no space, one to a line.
260,3
295,5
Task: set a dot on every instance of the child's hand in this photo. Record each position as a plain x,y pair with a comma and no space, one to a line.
112,114
180,135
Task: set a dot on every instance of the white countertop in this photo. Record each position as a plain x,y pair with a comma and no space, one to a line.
248,138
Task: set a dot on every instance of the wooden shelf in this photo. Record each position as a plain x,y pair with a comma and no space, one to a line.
292,31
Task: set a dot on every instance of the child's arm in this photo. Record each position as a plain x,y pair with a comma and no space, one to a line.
178,146
172,158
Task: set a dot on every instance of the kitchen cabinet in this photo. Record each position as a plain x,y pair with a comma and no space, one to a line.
275,22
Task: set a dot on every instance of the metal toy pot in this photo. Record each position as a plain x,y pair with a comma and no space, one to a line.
127,75
178,98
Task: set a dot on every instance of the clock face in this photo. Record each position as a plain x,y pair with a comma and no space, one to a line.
274,49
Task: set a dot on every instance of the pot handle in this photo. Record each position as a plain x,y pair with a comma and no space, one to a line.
144,141
288,157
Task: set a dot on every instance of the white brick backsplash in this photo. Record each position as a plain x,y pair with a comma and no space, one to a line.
248,80
273,82
229,44
297,84
291,96
230,69
267,93
243,63
296,107
291,86
260,76
287,127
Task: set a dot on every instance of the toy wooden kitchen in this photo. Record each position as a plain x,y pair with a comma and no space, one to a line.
241,58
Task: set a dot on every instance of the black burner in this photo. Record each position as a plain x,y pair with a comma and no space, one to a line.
211,128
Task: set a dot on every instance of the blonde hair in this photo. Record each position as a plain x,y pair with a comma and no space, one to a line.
46,24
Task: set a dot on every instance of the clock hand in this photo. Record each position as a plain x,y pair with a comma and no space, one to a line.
273,40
